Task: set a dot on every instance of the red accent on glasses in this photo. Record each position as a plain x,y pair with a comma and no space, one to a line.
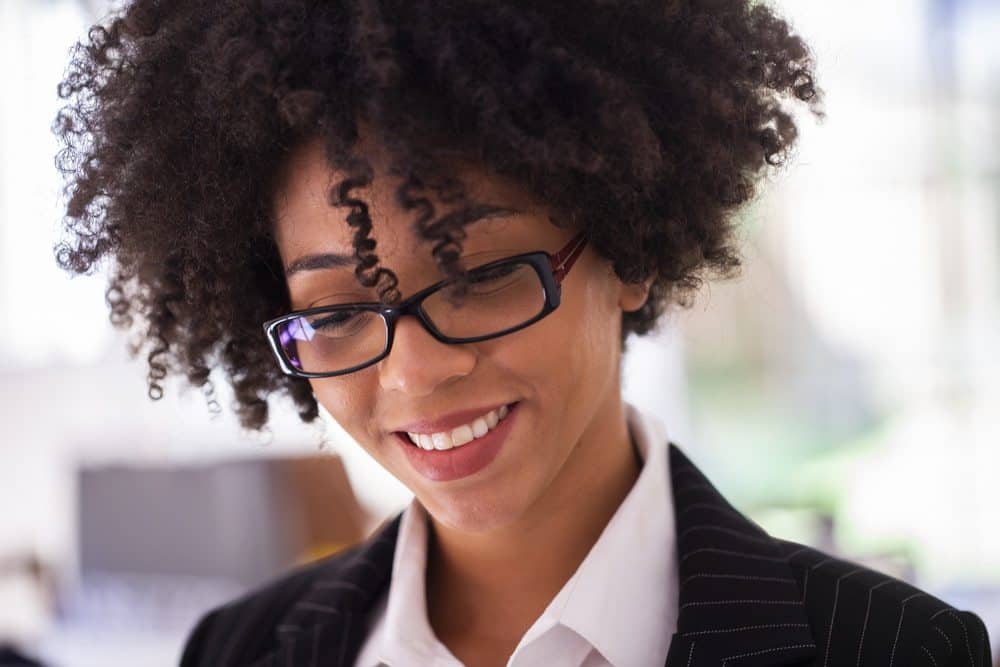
563,260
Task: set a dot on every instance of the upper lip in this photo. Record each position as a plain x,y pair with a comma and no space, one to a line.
449,421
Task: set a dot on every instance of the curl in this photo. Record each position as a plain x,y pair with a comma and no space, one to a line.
646,124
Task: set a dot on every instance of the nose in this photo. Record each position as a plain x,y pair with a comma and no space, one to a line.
418,363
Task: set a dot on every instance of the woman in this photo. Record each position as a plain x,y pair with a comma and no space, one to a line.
441,220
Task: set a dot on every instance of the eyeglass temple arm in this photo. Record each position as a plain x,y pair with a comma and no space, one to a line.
563,260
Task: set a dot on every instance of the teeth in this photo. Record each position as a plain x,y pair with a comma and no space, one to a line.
461,435
442,441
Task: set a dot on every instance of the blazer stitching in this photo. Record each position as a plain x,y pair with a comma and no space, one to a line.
821,563
690,654
746,627
833,614
933,661
965,633
902,612
795,553
716,602
939,612
951,649
730,552
743,577
767,650
861,641
728,531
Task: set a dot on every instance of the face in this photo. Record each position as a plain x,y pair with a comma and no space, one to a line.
560,374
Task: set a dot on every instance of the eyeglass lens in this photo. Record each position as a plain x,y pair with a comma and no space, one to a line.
495,299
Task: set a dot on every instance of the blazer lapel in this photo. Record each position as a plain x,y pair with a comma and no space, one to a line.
329,624
739,600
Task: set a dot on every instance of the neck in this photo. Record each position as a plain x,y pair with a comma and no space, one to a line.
498,583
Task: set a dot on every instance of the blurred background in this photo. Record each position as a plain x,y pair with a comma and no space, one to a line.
844,392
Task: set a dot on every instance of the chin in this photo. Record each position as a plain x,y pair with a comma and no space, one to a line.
471,515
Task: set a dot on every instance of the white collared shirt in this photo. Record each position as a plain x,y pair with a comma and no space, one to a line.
619,608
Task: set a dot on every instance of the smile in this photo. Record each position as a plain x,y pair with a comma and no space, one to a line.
457,461
461,435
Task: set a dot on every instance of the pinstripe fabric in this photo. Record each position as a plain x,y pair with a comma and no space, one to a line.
746,598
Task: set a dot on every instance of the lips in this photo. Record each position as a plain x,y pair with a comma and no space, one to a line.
457,462
449,421
461,435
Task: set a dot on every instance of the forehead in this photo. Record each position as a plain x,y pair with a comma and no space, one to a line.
304,221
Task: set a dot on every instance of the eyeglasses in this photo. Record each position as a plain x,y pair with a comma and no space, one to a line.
499,298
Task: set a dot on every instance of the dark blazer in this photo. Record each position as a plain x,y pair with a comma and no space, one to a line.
746,598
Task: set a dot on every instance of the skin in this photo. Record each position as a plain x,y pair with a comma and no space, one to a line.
504,540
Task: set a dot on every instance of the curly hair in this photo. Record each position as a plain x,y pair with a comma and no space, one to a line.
649,123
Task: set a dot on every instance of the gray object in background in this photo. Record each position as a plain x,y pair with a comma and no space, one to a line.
226,520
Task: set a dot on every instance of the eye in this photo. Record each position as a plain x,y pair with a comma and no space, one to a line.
339,297
492,278
341,323
494,284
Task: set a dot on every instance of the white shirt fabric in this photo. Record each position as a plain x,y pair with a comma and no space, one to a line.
619,608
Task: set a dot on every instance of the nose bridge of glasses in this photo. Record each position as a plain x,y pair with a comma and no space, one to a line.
417,362
414,343
393,318
409,306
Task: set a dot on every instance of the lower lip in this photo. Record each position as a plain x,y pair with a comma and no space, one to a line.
447,464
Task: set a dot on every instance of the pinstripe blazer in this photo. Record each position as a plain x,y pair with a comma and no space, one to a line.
746,598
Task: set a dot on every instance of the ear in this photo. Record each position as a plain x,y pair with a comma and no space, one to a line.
633,295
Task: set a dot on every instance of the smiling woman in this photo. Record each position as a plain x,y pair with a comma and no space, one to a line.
569,401
441,221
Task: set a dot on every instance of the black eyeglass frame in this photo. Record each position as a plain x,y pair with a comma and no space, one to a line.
550,268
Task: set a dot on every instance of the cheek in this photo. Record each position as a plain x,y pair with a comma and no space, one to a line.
564,353
597,319
350,400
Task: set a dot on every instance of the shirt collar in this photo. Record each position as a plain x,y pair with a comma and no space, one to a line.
638,545
406,624
629,617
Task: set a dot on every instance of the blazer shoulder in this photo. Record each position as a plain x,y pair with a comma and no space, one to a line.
861,616
238,631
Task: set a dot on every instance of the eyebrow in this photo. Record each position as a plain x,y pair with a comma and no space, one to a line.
333,260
